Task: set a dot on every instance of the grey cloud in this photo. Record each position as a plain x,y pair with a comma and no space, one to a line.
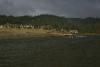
68,8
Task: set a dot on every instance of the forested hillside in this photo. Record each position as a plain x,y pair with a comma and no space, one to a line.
83,25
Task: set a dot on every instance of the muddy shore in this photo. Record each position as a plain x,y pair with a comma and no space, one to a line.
24,33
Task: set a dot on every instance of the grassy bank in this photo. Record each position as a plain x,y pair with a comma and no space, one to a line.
17,33
21,33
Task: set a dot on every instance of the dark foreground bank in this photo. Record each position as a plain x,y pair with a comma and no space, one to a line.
50,52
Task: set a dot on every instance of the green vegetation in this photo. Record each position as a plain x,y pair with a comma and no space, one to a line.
83,25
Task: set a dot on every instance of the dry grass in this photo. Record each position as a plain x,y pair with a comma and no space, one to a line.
15,32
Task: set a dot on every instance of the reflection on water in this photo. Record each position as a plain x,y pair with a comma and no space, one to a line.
50,52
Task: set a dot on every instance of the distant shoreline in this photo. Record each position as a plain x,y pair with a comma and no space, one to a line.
24,33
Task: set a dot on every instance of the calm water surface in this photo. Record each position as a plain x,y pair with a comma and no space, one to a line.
50,52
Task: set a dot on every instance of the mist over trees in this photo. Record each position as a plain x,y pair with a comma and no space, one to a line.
83,25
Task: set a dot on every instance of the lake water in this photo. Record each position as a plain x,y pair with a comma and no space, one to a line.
50,52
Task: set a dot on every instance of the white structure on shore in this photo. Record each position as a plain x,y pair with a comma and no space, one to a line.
73,31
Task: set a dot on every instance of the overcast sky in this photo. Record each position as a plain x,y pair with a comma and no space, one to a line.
68,8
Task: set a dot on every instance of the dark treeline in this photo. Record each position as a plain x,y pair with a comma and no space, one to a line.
83,25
